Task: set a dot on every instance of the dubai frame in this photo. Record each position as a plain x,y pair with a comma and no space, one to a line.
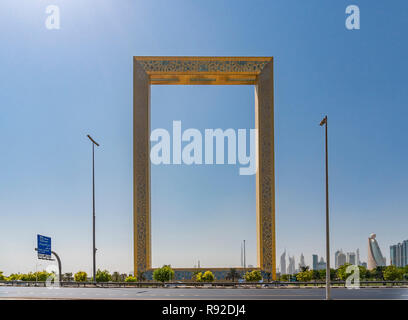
257,71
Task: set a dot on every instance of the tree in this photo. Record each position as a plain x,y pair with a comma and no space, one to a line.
80,276
341,272
140,276
268,276
377,273
194,276
40,276
368,274
130,279
315,275
205,277
285,277
2,277
253,276
304,276
165,273
333,274
103,276
392,273
31,276
14,277
116,276
232,275
363,272
27,277
405,269
198,277
208,276
67,276
303,269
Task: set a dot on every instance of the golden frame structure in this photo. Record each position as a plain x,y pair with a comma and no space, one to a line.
257,71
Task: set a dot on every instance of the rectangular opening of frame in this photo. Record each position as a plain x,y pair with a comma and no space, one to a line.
202,212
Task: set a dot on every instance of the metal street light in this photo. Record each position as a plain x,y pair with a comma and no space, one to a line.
93,204
244,258
324,122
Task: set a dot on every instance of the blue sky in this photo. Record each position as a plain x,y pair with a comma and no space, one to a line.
59,85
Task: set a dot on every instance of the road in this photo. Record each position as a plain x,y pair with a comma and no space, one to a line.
198,293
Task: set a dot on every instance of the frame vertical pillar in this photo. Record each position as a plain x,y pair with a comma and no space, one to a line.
141,169
265,177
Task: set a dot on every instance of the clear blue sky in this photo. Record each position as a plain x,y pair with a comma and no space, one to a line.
56,86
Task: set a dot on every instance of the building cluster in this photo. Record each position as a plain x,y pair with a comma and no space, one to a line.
318,265
291,269
399,254
341,258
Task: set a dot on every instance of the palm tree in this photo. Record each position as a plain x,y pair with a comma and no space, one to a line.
141,276
67,276
232,275
116,276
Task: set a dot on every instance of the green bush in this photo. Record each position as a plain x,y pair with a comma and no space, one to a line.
31,276
194,276
341,272
392,273
207,276
304,276
165,273
130,279
285,277
80,276
253,276
333,274
14,277
116,276
103,276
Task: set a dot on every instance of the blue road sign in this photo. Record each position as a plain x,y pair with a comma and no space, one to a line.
44,247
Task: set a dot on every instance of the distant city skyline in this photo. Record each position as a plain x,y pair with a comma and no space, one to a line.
398,254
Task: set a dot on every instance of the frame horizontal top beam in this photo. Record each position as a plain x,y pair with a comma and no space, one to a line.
203,70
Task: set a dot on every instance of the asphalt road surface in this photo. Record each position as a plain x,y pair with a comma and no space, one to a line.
198,293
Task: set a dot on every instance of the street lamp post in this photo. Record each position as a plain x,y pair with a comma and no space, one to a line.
324,122
244,257
93,204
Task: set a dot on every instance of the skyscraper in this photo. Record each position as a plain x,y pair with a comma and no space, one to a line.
375,257
351,258
283,263
399,254
394,255
358,257
321,265
302,261
336,258
291,268
315,261
340,258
